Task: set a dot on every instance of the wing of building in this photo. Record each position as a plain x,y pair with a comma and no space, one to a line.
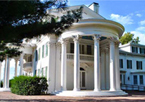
84,60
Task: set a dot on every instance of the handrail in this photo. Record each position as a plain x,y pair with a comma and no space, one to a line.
82,57
27,64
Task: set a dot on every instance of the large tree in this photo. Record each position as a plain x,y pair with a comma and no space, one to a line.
25,19
127,37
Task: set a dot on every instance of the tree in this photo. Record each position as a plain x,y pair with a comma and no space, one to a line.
25,19
127,37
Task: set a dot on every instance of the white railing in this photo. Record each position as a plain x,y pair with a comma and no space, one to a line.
70,56
27,65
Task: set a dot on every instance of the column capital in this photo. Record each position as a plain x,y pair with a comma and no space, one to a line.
76,37
97,37
63,41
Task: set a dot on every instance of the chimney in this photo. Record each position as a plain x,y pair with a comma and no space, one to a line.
95,7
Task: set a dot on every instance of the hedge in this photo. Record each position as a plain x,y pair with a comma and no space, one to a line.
27,85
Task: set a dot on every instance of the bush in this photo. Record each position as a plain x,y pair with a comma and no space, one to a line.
26,85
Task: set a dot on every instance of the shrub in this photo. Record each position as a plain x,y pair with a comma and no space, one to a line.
26,85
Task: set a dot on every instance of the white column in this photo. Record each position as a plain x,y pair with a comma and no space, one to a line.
49,60
6,73
63,65
117,66
21,64
33,64
76,64
16,63
96,63
112,66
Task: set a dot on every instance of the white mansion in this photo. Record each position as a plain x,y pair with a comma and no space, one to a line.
84,60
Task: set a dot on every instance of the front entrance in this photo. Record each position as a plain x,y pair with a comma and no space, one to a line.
82,79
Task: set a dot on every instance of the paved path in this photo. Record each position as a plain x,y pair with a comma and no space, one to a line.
132,97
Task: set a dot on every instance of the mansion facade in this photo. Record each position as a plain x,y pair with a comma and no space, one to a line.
83,60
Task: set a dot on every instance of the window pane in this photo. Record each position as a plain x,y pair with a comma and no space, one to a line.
71,47
43,51
141,79
135,79
89,49
121,63
83,79
46,50
83,49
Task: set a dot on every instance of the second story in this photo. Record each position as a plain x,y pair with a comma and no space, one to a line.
133,48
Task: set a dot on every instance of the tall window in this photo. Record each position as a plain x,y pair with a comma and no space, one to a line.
89,49
46,72
129,64
135,79
71,47
121,63
139,65
82,49
46,51
39,52
36,56
42,72
43,51
141,79
134,49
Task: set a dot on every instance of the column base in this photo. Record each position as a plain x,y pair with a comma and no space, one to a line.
5,89
76,89
112,90
97,90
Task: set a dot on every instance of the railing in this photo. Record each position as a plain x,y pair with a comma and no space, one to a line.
132,87
84,57
27,65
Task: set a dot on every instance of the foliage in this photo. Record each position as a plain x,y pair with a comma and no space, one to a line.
8,51
26,85
127,37
28,19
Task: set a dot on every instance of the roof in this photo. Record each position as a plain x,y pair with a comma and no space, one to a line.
130,53
132,44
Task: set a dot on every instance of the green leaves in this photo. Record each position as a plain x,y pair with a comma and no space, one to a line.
26,85
127,37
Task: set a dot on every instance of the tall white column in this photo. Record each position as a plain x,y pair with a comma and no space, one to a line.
63,65
76,64
16,63
21,64
6,73
112,66
96,63
117,66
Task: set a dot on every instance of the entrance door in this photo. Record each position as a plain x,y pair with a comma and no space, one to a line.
82,78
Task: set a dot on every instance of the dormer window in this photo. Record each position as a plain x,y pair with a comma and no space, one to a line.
134,49
142,50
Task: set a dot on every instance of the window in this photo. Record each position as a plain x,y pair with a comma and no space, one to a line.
134,49
82,49
129,64
46,72
71,47
46,51
142,50
43,51
135,79
42,72
38,72
141,79
36,56
139,65
89,49
39,52
121,63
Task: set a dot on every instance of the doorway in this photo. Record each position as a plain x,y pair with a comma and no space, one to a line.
82,78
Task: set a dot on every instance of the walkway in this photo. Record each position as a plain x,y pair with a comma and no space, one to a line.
133,97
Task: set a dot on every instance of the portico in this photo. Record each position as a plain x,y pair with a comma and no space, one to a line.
108,46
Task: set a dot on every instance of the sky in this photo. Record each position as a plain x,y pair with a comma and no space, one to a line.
130,13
